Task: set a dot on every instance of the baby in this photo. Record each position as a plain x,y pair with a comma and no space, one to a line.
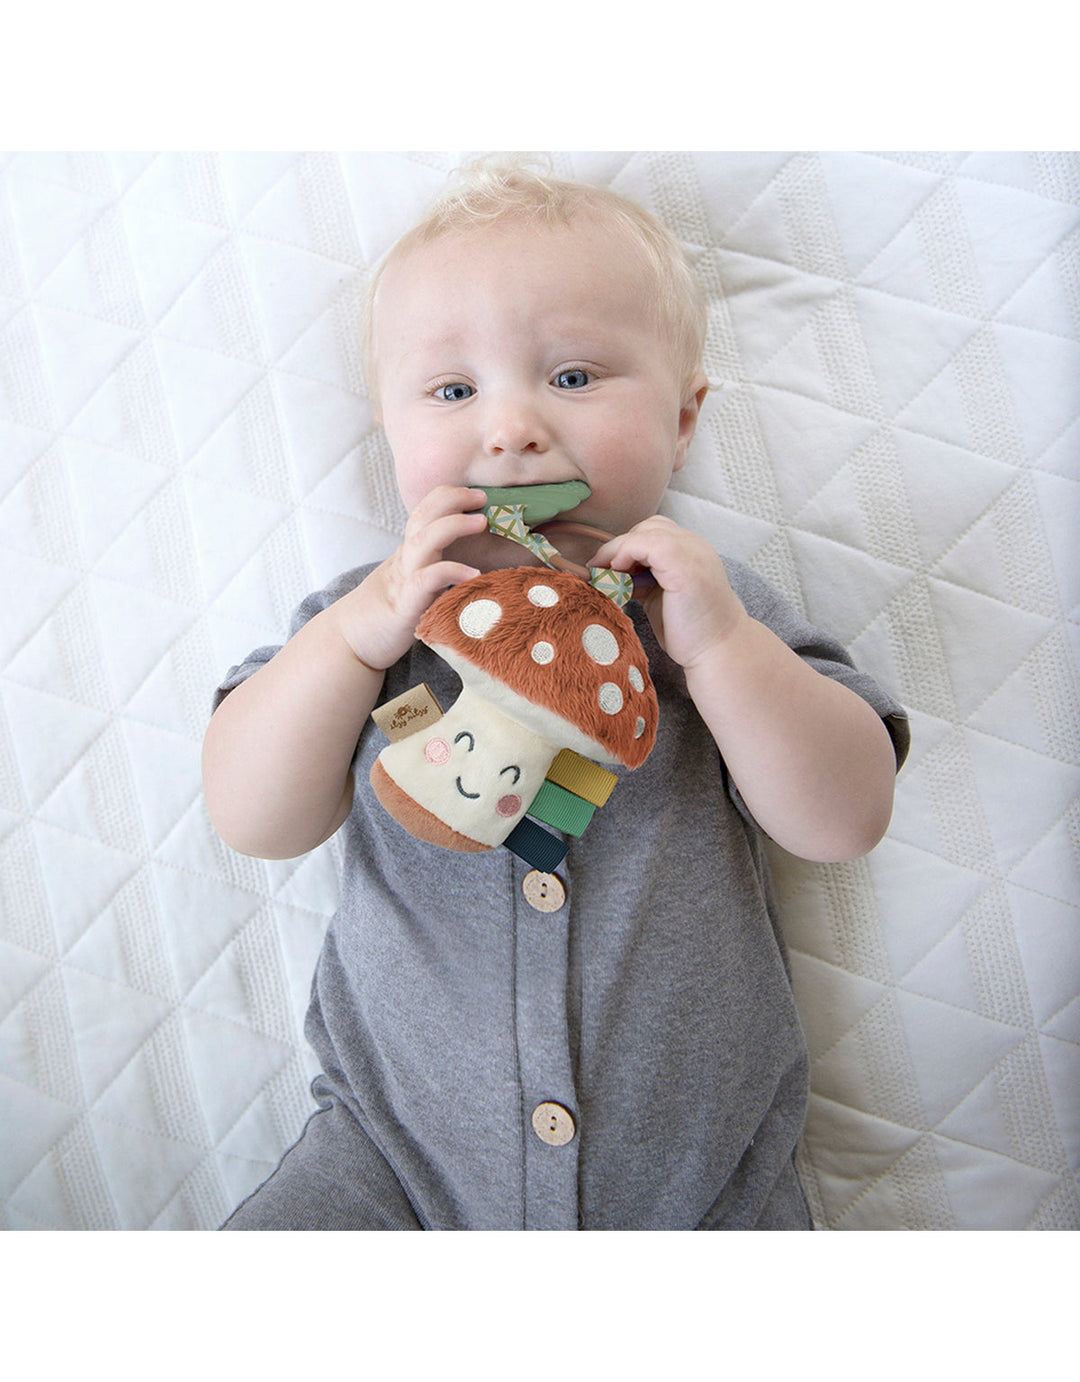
613,1046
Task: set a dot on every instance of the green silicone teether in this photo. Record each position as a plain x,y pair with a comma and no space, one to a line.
542,502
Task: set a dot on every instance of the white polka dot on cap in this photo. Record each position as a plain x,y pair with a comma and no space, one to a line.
601,644
610,698
479,617
543,596
542,653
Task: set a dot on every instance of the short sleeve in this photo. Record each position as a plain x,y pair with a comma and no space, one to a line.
819,649
312,605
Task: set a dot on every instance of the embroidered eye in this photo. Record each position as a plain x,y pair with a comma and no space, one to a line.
513,768
466,735
453,393
572,379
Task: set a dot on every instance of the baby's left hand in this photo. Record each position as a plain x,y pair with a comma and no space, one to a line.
692,607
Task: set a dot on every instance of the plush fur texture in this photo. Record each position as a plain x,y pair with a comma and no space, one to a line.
538,648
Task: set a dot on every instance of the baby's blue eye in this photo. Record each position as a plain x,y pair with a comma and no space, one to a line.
571,379
454,393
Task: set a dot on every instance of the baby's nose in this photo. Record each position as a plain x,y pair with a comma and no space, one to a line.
515,428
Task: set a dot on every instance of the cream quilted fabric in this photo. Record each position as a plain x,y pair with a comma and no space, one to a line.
186,450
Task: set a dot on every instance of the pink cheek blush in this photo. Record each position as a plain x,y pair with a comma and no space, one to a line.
437,751
508,805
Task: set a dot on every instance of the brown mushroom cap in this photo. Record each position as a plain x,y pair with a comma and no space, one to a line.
563,651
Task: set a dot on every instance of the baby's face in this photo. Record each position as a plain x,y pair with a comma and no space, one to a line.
517,355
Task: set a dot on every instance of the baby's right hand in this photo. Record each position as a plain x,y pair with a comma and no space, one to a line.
378,619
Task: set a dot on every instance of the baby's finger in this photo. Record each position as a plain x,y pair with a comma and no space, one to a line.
671,553
444,500
436,578
635,547
428,583
426,544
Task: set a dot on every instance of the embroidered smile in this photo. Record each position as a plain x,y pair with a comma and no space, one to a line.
471,795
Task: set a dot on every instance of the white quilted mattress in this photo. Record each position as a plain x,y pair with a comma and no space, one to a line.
186,450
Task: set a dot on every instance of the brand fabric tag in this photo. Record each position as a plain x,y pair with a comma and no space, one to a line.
407,713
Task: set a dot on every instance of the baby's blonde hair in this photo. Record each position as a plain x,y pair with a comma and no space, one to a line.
496,188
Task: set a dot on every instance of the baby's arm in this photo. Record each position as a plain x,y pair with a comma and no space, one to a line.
813,761
278,751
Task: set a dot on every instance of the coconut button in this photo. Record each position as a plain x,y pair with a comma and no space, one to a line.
553,1124
544,891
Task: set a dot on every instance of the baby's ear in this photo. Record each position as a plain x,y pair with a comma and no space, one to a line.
688,416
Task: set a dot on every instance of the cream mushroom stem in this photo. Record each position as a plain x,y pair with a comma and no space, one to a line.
476,769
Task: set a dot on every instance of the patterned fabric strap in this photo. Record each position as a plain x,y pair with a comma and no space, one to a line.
508,520
616,585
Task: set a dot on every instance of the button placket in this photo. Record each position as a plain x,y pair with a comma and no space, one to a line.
544,1056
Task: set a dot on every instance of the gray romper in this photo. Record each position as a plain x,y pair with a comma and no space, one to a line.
631,1059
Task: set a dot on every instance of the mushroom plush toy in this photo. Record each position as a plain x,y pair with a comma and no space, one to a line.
554,681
